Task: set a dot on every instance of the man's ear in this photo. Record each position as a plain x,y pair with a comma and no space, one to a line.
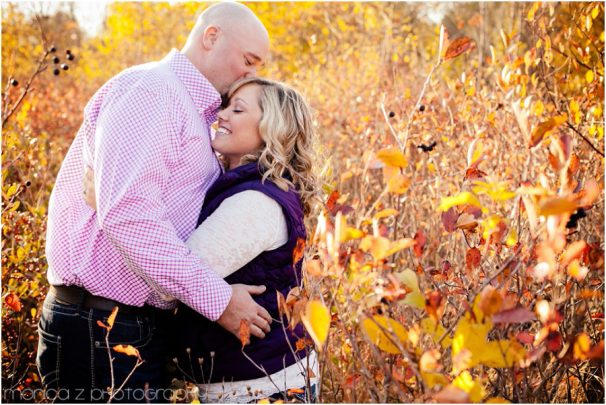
210,36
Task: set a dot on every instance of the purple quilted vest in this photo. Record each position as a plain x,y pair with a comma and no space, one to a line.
274,269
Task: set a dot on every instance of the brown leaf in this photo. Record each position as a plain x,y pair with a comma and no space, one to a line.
472,258
434,304
458,46
515,315
12,300
449,219
297,253
244,332
420,240
474,173
128,350
313,267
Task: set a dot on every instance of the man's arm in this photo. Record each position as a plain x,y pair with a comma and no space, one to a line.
133,147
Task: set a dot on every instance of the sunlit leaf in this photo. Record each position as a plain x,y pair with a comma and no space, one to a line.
298,251
473,387
457,47
414,298
383,331
490,300
463,198
13,302
557,205
112,317
244,332
539,132
392,157
316,319
127,349
436,331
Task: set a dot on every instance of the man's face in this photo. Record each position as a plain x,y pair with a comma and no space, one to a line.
238,54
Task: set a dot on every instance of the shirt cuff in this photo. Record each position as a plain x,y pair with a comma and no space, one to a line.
216,299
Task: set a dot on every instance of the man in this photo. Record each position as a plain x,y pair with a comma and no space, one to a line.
146,137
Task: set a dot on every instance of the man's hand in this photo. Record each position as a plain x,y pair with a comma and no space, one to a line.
242,307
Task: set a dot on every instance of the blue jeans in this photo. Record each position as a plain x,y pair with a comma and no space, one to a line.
73,359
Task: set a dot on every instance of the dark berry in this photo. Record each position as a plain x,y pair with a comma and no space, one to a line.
392,114
67,51
14,82
70,56
56,72
28,183
422,108
52,49
56,60
64,66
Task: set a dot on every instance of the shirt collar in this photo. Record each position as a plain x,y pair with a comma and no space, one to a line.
205,97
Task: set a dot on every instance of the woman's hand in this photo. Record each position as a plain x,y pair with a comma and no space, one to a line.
88,188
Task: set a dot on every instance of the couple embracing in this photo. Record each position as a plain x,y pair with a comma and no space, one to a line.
165,222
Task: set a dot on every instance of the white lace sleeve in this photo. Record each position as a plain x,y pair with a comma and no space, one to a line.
245,225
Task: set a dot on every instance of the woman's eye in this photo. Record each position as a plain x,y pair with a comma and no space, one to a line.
236,110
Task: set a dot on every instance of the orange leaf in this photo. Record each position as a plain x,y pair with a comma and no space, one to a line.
490,300
297,253
538,133
128,350
244,332
12,300
457,47
101,324
294,391
112,317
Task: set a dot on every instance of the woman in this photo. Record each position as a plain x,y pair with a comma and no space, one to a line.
250,223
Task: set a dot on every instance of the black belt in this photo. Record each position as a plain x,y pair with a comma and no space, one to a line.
73,295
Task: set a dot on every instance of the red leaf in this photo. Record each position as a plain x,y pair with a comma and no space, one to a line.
244,332
332,202
420,240
458,46
472,258
525,337
554,342
515,315
12,300
101,324
297,253
449,219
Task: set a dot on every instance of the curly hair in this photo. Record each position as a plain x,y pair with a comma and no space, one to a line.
286,128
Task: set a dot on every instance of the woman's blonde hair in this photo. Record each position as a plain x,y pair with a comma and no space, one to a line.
286,128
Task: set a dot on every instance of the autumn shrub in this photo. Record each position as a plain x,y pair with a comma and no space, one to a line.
458,255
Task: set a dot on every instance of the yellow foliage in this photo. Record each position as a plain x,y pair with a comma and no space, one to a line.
385,333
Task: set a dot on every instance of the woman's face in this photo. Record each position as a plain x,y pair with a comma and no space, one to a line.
238,132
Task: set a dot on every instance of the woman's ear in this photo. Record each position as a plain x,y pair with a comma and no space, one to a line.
210,36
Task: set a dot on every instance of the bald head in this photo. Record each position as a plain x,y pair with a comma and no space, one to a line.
227,43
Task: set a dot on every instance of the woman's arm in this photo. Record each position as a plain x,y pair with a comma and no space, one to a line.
241,228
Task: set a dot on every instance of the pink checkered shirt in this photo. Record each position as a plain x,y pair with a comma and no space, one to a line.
146,136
